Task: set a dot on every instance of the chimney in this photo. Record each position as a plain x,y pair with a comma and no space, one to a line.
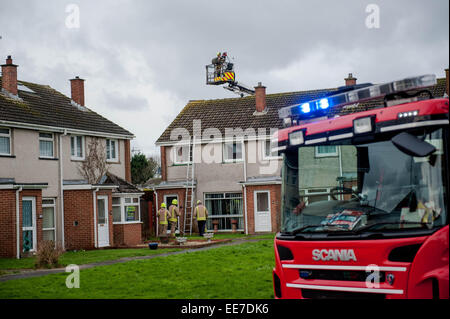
9,76
446,82
77,89
260,97
350,80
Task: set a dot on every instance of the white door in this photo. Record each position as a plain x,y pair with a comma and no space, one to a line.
262,211
29,238
102,221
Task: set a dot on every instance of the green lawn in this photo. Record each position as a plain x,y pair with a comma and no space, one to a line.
81,257
241,271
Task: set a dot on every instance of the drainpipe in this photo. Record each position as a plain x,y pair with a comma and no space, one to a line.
61,185
245,189
94,194
156,209
340,171
18,222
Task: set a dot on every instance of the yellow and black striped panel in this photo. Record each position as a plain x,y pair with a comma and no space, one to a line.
227,77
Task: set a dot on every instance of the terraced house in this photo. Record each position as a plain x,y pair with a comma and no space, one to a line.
237,175
45,137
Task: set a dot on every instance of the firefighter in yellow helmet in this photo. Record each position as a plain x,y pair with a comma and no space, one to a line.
163,215
201,214
174,213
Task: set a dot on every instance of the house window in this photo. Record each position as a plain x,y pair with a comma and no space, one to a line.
112,154
46,145
48,218
315,195
180,155
77,147
5,141
116,208
326,151
126,209
232,152
267,150
224,207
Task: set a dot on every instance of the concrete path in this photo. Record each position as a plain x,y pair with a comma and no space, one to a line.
43,272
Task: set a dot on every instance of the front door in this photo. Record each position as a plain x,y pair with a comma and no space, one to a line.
102,221
29,237
262,211
168,200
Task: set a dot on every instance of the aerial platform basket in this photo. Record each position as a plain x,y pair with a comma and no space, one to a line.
220,75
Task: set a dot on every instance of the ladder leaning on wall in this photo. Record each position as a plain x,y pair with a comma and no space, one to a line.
189,197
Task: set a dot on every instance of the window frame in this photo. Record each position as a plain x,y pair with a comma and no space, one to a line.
47,139
116,158
236,160
333,154
53,205
123,206
264,149
211,217
175,154
83,149
9,138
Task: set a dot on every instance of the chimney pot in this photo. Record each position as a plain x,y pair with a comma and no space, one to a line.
260,97
77,90
9,76
350,80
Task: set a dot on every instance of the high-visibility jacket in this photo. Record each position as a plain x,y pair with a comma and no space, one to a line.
201,212
174,213
163,214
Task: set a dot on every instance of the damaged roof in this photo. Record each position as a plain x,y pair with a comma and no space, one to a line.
240,112
42,105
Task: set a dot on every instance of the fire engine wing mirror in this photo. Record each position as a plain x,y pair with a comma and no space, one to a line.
413,146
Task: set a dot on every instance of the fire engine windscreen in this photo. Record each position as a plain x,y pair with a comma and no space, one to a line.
373,186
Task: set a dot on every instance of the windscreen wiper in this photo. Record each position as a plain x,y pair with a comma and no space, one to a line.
364,228
301,229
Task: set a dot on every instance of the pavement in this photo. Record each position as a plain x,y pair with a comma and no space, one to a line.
43,272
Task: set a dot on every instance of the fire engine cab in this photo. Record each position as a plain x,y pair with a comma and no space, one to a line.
365,195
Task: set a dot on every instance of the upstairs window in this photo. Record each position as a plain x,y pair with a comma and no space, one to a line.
46,145
77,147
326,151
181,156
232,152
267,151
112,154
5,141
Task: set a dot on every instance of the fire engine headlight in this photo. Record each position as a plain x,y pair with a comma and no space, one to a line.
296,138
363,125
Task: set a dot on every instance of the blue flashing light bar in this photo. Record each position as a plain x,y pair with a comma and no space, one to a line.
319,106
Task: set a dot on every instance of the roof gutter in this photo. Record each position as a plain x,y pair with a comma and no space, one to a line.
55,129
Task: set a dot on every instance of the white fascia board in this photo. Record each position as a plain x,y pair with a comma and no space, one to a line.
260,183
218,140
38,127
127,194
26,186
87,187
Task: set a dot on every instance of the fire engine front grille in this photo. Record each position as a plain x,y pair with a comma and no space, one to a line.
327,294
342,275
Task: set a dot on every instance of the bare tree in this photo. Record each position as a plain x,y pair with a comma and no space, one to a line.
94,166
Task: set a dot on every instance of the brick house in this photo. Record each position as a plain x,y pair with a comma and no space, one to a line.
44,138
241,180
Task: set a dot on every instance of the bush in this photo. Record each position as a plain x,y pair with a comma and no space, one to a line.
48,254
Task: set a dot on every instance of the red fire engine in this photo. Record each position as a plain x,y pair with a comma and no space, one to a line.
365,195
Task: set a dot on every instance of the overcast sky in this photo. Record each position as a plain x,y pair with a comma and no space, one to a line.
144,60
